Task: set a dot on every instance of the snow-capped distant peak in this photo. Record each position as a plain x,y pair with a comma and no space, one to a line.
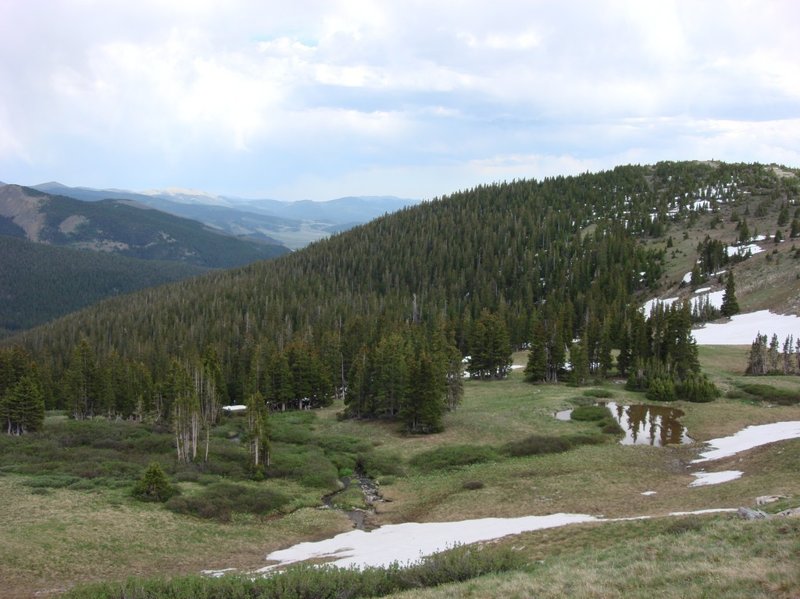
179,191
188,196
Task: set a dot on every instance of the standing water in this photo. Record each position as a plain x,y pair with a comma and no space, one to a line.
644,424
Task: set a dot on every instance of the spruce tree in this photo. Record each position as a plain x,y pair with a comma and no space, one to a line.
423,409
153,485
22,407
730,305
536,368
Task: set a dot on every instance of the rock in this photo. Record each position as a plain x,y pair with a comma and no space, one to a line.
765,499
748,514
791,513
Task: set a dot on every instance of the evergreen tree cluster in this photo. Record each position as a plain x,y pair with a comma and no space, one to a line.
411,375
662,356
557,262
772,357
21,394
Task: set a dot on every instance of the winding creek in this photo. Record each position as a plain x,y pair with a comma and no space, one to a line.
359,517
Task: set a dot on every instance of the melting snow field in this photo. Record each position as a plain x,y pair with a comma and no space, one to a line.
743,328
752,436
409,542
714,478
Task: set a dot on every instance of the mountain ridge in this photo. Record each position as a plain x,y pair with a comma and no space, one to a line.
123,227
294,224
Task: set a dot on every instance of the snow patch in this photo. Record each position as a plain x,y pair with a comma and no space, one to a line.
404,543
743,328
714,478
741,250
650,304
748,438
407,543
648,493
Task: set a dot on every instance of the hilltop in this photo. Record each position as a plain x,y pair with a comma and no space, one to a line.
574,248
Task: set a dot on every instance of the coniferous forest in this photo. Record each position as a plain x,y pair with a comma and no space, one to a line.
382,315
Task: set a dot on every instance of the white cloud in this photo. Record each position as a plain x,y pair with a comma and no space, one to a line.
465,91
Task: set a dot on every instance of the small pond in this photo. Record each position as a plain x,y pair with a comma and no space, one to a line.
644,424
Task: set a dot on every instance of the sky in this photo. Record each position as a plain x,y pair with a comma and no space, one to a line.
317,100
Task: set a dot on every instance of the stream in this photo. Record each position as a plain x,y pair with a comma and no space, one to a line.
369,489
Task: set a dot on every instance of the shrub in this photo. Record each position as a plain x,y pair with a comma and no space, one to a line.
698,389
661,389
598,393
456,565
51,481
537,445
153,486
771,394
454,456
219,501
589,413
379,463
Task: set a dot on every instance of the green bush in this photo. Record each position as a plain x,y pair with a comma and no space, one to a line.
220,500
590,413
697,388
153,485
380,463
661,389
768,393
443,458
537,445
307,464
51,481
307,581
598,393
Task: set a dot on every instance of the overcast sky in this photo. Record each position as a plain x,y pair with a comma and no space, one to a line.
317,100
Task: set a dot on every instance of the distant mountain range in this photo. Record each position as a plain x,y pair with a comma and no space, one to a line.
293,224
124,227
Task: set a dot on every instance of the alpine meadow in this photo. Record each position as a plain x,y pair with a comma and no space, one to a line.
578,386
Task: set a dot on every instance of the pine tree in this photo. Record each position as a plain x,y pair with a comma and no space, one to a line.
81,382
730,305
22,407
153,485
536,368
423,409
757,360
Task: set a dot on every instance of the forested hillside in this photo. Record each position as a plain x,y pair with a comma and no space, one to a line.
124,228
574,253
42,282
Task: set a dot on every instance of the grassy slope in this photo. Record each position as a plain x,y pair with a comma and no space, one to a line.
51,541
767,280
